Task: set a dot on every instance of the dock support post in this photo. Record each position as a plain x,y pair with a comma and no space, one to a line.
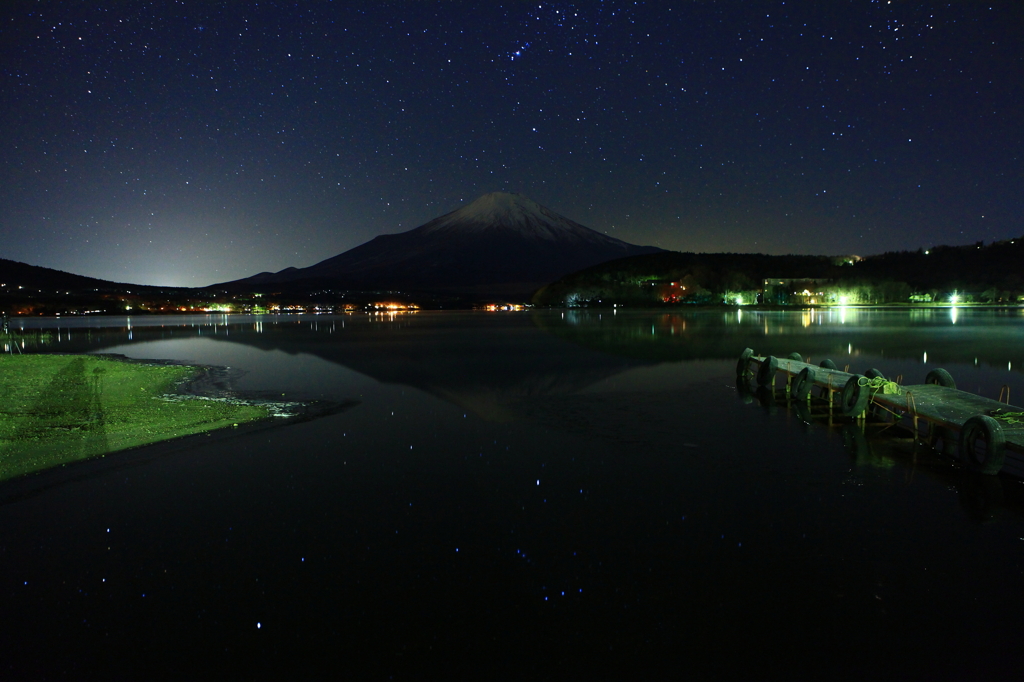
912,408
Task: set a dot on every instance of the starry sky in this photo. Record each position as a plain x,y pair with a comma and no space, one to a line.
193,142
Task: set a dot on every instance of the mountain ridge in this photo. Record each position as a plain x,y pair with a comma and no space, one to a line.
501,243
27,275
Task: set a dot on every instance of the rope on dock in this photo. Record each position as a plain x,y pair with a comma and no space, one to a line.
1014,418
881,385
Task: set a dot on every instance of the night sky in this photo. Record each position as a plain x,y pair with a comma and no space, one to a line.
194,142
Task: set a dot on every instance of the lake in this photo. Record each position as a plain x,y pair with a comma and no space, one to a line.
539,495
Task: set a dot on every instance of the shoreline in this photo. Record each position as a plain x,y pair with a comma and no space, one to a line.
205,383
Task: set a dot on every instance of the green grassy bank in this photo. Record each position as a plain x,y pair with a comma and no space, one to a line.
56,409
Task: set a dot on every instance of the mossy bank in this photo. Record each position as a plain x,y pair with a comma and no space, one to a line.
57,409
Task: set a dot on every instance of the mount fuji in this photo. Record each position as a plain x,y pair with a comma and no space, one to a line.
500,244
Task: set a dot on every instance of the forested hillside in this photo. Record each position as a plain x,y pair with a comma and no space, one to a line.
980,273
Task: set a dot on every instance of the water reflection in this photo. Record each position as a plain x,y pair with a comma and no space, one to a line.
874,445
988,337
498,371
936,336
615,484
463,359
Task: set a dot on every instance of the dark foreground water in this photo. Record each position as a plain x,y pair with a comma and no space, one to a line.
524,496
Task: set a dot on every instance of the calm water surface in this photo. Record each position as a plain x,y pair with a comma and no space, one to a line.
524,496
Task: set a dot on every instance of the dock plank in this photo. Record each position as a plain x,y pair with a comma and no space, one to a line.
949,404
948,407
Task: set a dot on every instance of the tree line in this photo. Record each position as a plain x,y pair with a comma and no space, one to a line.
978,272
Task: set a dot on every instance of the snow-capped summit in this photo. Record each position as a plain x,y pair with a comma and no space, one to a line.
502,211
500,244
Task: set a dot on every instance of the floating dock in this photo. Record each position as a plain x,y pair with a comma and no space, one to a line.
988,434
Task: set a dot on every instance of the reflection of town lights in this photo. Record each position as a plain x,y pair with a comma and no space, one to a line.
505,307
395,307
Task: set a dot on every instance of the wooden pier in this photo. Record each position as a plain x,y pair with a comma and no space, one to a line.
989,434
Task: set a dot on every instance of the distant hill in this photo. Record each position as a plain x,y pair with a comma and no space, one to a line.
500,244
34,290
14,274
976,266
982,273
639,280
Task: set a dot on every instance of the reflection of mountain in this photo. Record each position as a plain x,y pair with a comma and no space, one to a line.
485,362
480,362
467,360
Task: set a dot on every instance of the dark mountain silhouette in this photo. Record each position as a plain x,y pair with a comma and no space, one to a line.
501,244
14,274
35,290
